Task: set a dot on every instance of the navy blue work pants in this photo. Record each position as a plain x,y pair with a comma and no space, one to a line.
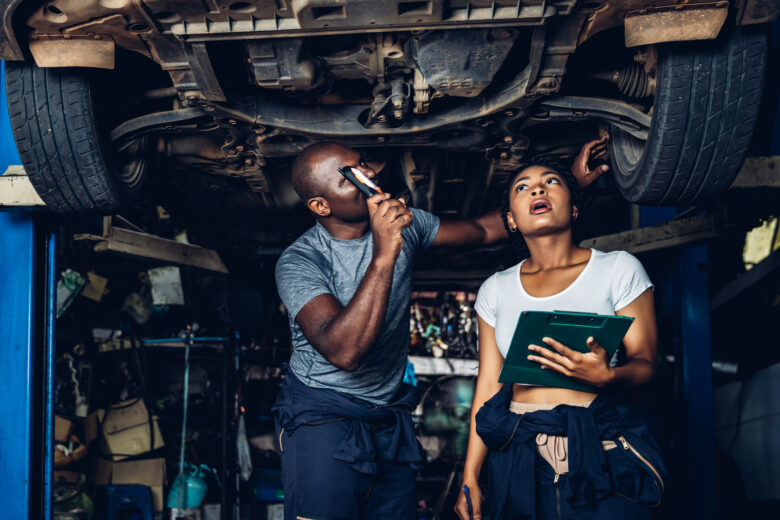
319,487
550,505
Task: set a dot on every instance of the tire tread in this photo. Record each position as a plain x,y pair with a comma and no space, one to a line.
707,100
54,125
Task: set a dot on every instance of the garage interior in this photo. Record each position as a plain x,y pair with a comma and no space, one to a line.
149,344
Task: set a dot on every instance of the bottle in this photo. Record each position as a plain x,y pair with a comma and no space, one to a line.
194,487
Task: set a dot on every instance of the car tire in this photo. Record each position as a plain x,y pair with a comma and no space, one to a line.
705,108
54,117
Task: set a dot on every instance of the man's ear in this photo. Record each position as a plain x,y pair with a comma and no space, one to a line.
319,206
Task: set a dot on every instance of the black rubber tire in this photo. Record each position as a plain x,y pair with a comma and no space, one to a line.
705,108
54,119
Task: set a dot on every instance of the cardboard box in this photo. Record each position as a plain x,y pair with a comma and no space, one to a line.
274,512
67,453
185,513
91,427
95,288
123,430
149,472
71,477
211,511
62,429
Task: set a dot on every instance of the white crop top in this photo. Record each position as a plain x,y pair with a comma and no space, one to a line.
609,282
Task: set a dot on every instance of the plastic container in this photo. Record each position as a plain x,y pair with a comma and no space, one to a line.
266,485
194,488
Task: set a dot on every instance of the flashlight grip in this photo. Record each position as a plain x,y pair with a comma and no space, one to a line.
365,189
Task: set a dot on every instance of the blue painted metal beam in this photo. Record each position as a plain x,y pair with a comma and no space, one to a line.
17,330
50,354
17,278
684,292
694,358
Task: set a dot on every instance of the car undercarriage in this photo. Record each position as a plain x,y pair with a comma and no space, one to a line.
445,98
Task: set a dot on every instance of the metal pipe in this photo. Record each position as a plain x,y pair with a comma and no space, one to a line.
50,353
223,444
182,486
204,339
158,93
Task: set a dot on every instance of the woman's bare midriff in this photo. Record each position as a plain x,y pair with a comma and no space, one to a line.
549,395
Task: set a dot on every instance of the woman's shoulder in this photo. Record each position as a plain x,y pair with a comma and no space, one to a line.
498,279
616,259
623,269
506,274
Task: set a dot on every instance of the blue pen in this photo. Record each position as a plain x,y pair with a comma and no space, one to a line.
468,501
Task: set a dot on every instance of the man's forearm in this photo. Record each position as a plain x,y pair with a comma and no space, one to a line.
348,337
493,227
474,232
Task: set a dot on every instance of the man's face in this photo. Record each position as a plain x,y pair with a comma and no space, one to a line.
345,200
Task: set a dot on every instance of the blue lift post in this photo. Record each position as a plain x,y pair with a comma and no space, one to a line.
685,290
26,406
695,367
17,328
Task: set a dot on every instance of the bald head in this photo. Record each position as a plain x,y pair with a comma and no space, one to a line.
304,172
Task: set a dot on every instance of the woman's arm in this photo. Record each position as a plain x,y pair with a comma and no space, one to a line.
641,343
490,362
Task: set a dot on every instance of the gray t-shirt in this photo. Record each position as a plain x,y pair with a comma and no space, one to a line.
317,263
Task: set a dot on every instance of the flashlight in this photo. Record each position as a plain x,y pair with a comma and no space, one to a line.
361,182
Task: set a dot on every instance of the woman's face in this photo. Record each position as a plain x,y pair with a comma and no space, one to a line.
539,202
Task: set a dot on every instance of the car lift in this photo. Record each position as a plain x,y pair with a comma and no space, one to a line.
28,291
27,286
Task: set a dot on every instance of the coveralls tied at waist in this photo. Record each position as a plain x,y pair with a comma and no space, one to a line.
376,431
511,439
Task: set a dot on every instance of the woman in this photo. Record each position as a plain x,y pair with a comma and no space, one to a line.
556,452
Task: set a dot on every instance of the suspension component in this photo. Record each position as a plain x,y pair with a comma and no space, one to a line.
632,81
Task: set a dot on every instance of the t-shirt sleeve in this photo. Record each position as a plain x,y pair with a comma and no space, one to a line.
299,280
423,230
630,280
486,301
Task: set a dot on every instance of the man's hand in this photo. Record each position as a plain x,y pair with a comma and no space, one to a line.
388,217
591,151
591,367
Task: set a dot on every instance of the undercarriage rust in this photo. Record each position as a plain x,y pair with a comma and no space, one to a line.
250,82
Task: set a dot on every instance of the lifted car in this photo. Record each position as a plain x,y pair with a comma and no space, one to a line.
448,96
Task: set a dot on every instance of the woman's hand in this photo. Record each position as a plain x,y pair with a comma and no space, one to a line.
591,151
591,367
461,508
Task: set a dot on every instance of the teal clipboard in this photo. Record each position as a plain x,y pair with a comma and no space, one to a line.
570,328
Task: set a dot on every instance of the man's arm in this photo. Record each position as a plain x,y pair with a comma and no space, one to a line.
474,232
344,334
489,228
591,151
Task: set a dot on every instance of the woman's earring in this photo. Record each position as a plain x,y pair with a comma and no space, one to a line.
513,230
574,216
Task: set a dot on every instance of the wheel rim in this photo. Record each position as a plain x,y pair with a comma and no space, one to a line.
627,152
635,148
130,161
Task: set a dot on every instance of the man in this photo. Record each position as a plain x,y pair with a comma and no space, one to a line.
345,435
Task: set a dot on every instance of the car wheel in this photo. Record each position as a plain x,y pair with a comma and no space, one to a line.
705,107
57,128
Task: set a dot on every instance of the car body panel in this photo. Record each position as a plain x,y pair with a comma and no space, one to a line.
227,92
140,22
